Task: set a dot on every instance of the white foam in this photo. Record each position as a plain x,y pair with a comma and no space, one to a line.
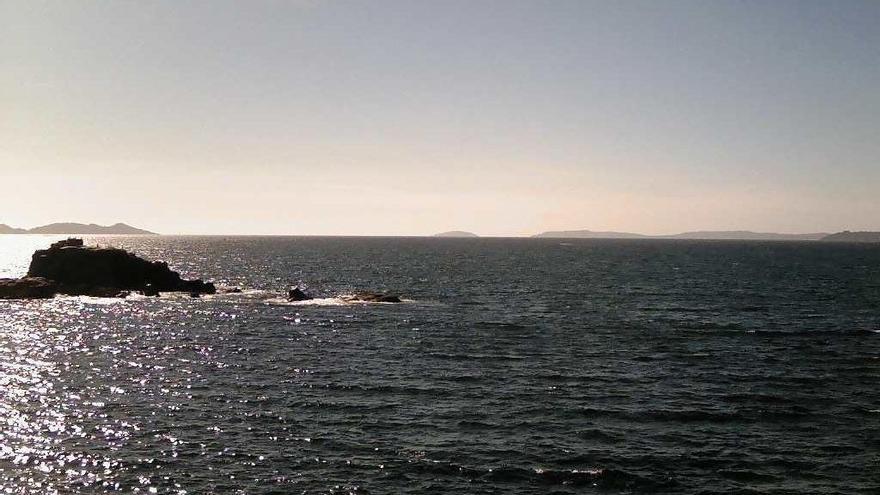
320,301
255,296
97,301
343,300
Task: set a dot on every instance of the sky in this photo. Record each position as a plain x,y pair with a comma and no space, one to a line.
499,117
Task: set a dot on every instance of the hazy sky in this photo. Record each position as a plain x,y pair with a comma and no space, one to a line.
411,117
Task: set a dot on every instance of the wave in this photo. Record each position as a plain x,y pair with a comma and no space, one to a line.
476,357
499,324
765,414
603,478
747,476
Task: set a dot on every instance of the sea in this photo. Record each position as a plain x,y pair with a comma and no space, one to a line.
526,366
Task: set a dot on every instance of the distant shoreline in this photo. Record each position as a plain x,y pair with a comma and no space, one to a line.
835,240
121,229
71,228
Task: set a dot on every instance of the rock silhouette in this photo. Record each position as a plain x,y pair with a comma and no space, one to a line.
69,267
297,294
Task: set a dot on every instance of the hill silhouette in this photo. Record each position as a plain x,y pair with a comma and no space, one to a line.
78,228
6,229
456,233
747,235
847,236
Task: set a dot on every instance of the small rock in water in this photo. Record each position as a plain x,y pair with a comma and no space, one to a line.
368,296
150,291
297,294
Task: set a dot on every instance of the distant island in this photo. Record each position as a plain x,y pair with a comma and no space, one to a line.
847,236
588,234
738,235
746,235
456,233
78,229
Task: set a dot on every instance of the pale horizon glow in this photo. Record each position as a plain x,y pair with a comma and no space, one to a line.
501,117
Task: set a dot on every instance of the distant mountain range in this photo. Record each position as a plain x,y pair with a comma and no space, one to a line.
78,229
456,233
743,235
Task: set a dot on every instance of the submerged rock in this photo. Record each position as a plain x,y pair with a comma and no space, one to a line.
368,296
297,294
68,267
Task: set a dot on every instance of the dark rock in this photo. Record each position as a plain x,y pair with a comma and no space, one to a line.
27,288
297,294
150,291
68,267
195,286
91,290
69,242
72,265
367,296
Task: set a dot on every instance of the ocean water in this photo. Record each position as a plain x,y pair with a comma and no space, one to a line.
514,366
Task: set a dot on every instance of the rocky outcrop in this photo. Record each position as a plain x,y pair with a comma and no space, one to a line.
69,267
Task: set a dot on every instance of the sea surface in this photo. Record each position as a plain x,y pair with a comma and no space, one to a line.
528,366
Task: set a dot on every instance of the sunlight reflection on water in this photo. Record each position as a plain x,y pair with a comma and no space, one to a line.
54,429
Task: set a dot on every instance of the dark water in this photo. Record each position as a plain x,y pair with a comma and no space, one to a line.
518,366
